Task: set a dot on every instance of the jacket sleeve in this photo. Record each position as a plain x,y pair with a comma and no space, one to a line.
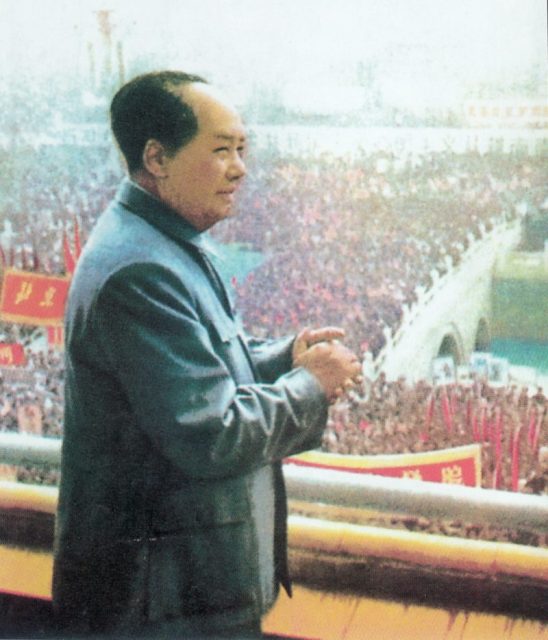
271,358
180,391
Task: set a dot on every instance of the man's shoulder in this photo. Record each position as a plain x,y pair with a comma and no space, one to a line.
120,236
118,225
121,239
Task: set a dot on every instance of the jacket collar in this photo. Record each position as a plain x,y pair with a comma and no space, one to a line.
160,216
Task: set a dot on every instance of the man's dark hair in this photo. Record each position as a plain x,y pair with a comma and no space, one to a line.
147,107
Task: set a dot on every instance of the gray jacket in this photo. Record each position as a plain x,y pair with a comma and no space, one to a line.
172,509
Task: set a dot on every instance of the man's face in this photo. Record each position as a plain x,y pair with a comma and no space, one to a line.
202,177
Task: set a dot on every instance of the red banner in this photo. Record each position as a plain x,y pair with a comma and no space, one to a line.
459,465
33,298
12,354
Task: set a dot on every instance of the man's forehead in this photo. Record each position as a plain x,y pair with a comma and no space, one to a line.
200,95
214,111
228,137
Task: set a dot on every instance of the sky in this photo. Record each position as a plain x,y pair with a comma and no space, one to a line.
288,43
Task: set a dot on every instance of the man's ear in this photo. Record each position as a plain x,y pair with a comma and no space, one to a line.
154,158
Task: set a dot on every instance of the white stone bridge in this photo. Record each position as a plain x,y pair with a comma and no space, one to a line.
452,318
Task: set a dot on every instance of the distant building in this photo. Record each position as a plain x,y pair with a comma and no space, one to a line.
507,113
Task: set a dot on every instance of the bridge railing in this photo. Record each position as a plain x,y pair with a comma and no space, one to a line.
500,228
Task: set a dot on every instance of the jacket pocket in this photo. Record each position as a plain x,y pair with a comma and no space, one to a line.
202,504
201,573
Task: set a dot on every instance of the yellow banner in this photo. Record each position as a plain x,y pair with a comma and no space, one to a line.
458,465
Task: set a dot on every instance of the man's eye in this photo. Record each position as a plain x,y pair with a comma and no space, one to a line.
220,149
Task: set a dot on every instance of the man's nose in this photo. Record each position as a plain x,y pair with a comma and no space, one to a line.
237,169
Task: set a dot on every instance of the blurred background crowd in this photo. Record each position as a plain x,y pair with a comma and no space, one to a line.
352,241
348,241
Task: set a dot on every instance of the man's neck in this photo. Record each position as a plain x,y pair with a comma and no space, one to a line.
145,181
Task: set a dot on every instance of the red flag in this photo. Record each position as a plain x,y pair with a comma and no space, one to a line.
468,413
453,401
497,475
70,262
531,429
497,429
484,424
446,410
475,429
55,336
77,243
428,417
536,434
515,458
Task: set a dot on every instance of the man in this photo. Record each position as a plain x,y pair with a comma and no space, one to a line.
171,519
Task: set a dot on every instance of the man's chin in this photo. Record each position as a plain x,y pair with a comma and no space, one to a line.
229,212
214,217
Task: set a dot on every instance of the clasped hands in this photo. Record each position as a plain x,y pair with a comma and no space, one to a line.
335,366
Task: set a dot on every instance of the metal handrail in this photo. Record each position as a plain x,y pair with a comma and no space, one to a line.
21,448
414,497
361,491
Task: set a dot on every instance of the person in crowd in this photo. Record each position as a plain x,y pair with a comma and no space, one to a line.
172,513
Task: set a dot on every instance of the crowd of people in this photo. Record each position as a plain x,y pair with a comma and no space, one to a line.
508,421
31,401
346,241
39,209
354,240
